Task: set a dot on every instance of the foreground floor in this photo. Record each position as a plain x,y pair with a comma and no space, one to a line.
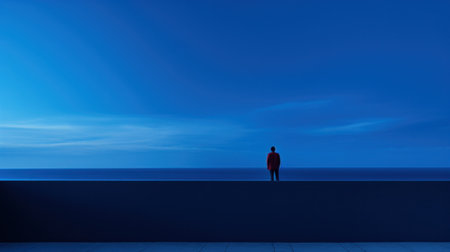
231,246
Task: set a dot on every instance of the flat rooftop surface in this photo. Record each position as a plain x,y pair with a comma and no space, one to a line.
232,246
225,174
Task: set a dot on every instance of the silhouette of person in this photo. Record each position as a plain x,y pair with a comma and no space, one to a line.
273,163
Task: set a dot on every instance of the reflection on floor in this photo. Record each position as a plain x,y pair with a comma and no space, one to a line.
232,246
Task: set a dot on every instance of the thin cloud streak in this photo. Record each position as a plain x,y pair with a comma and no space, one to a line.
121,134
296,105
356,127
37,126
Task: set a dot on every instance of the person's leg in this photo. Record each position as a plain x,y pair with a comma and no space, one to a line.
271,174
276,174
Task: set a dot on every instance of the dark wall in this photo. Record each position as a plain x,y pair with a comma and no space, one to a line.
224,211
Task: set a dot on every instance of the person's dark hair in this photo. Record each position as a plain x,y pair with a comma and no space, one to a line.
272,148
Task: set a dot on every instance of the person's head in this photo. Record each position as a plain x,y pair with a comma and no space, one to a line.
272,148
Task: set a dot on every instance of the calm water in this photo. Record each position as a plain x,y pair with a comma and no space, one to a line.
231,174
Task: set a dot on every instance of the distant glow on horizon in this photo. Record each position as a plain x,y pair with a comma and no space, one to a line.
215,84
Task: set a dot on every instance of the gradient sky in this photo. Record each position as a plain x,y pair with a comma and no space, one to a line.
216,83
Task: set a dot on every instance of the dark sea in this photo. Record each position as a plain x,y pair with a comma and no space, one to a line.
227,174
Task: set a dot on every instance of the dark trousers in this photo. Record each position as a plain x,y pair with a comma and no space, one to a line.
276,174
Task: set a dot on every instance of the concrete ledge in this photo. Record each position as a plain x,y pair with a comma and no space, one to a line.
224,211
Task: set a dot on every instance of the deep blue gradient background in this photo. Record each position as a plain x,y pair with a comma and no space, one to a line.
215,83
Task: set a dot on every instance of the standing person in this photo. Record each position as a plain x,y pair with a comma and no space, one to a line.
273,163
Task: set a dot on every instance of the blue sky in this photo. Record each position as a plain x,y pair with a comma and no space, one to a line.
216,83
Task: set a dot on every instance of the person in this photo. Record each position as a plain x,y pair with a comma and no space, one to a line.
273,163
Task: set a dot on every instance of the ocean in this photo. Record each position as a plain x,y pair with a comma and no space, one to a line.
226,174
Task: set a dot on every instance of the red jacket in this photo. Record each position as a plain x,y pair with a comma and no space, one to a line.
273,161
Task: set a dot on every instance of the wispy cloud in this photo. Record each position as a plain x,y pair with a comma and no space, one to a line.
362,126
310,104
36,126
119,133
